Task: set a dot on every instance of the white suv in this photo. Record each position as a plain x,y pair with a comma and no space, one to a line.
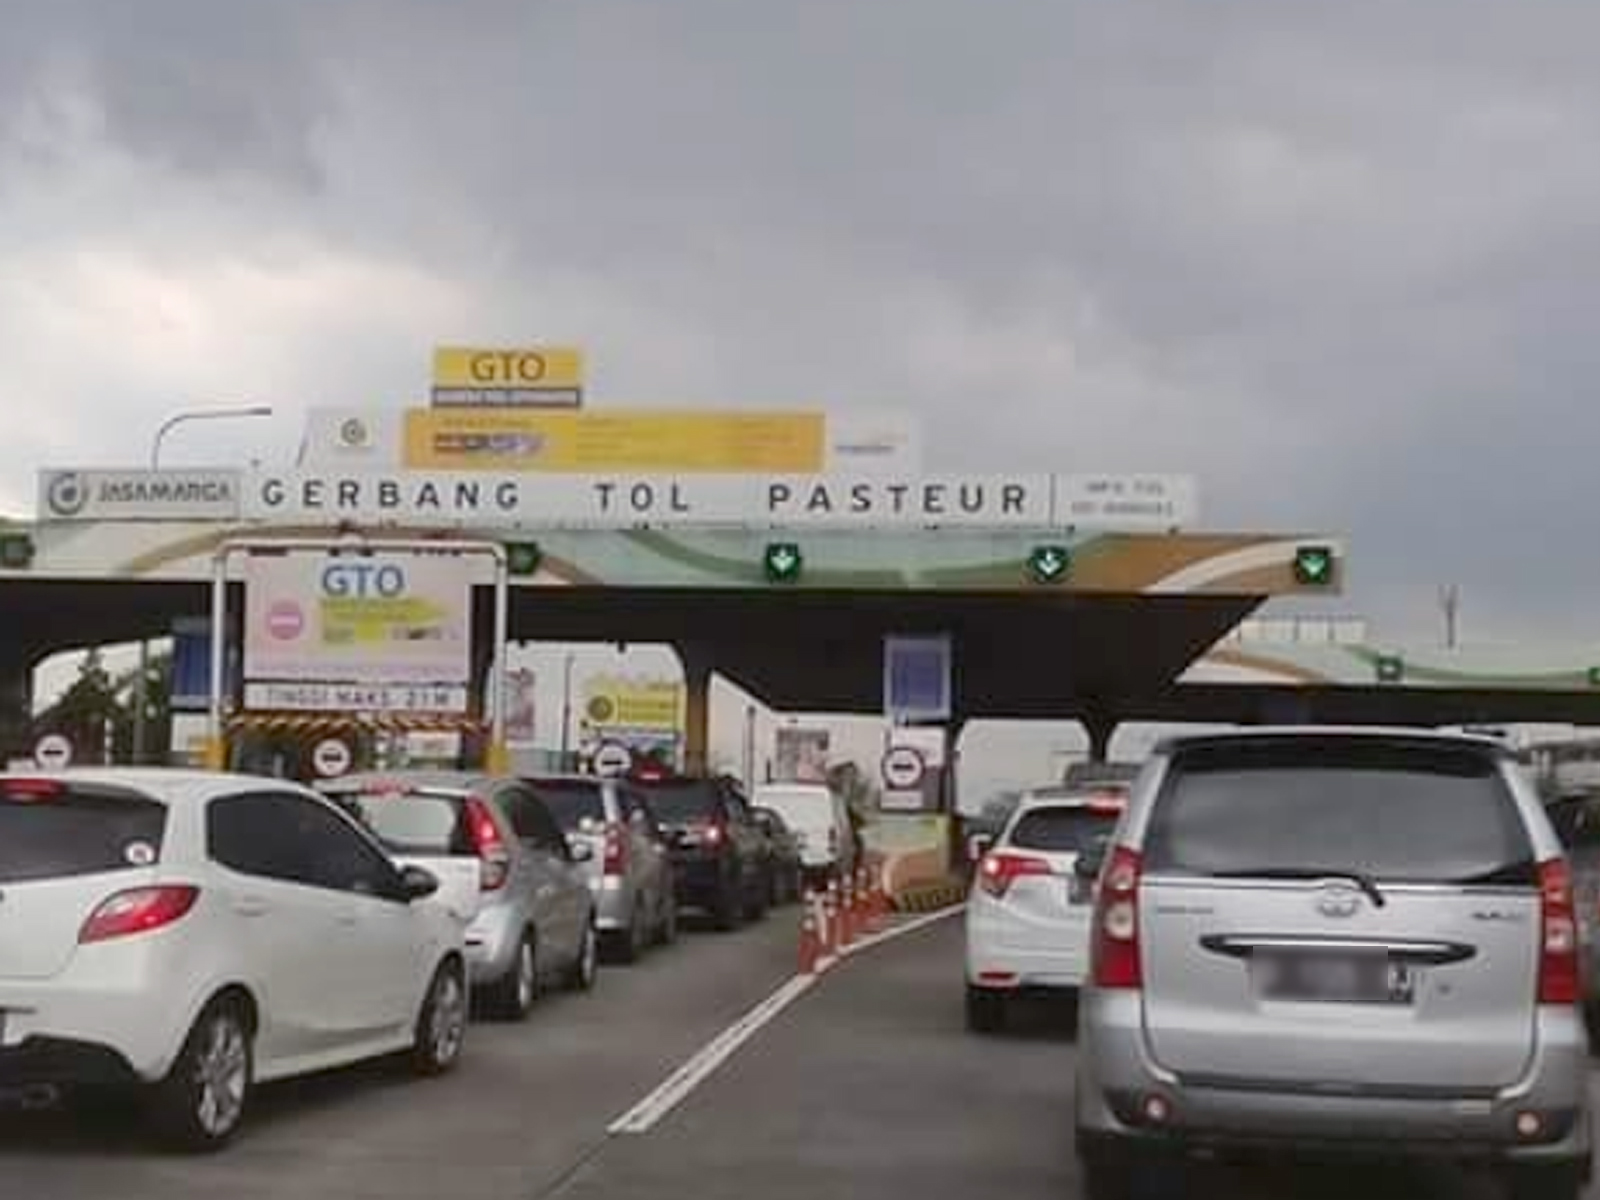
186,935
1028,915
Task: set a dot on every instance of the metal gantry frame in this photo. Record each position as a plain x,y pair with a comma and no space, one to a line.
359,543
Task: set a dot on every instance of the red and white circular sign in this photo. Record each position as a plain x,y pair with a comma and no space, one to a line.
285,620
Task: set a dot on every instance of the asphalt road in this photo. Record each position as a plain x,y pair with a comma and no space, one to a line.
527,1105
867,1086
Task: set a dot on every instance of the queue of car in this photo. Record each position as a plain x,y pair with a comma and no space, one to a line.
1356,942
178,937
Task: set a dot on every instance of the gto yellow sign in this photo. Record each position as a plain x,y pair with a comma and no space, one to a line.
640,441
533,375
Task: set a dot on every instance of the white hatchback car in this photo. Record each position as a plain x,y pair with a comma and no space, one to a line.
187,934
1028,917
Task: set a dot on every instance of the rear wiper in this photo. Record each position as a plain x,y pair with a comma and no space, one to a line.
1524,870
1365,882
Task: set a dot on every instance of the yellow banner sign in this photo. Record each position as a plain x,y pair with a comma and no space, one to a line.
654,705
474,375
640,441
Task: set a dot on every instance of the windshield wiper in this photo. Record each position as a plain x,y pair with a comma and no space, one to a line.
1524,870
1365,882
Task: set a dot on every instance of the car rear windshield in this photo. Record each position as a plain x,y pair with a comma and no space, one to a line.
76,831
1390,810
413,822
1061,829
572,803
676,803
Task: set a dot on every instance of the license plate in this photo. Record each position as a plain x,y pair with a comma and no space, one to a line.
1335,978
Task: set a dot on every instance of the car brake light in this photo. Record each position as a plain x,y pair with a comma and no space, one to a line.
386,787
616,857
1107,803
1558,956
1001,868
714,834
29,790
137,910
489,846
1115,951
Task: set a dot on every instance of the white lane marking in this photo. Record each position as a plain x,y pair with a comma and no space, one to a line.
676,1088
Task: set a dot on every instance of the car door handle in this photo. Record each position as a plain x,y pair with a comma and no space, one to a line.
251,906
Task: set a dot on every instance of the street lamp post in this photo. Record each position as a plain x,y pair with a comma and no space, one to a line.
141,682
235,413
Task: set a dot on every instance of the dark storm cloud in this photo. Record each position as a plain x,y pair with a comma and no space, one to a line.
1339,260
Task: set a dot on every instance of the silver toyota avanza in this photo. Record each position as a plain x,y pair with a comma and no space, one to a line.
1324,940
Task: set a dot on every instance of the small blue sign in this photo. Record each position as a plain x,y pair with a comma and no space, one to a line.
916,678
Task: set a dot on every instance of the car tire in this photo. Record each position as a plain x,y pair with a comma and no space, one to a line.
1107,1175
667,930
628,945
512,997
728,912
755,908
582,973
442,1023
986,1010
1545,1181
201,1103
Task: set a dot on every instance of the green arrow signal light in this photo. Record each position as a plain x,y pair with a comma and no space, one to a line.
782,562
523,559
1313,566
1049,564
16,551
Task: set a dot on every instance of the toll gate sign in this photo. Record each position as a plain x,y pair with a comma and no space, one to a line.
363,619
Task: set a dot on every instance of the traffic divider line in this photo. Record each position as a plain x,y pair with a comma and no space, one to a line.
677,1087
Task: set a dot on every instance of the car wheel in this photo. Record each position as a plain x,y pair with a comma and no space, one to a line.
756,905
201,1103
1545,1181
442,1023
581,975
512,997
1107,1175
986,1010
628,945
667,931
729,910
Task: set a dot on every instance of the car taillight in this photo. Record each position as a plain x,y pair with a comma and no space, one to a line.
28,790
616,856
1000,868
137,910
490,847
1115,953
1558,954
713,835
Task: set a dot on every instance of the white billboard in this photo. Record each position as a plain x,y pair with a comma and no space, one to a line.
381,618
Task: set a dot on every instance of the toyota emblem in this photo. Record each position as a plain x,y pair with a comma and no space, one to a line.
1338,900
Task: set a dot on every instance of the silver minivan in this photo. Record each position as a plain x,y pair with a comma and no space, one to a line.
531,917
1355,941
630,865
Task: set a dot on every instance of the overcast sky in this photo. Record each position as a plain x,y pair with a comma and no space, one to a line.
1338,260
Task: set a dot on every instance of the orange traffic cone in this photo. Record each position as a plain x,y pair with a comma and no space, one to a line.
832,938
810,942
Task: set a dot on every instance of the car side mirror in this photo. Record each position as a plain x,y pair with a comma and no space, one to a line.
978,845
417,883
581,852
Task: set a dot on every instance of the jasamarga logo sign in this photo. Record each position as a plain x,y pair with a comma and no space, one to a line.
96,495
